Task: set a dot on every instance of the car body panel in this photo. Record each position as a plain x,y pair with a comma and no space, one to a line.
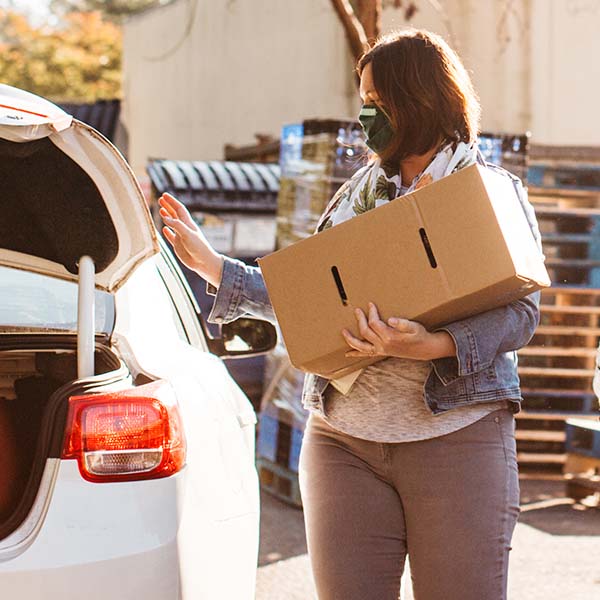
25,117
147,539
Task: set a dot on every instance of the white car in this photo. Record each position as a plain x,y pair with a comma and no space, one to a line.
126,449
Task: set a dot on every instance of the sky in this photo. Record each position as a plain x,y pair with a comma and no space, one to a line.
39,10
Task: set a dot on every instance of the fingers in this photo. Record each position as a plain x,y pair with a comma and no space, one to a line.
370,342
177,225
403,325
166,207
378,337
364,327
171,203
176,209
165,213
376,324
179,248
169,235
361,346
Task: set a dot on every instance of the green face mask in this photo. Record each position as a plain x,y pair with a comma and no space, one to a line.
376,126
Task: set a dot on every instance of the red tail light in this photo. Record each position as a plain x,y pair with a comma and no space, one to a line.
126,436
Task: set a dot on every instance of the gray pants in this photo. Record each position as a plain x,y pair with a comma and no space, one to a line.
451,503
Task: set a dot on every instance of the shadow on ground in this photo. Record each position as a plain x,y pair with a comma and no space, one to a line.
281,531
544,505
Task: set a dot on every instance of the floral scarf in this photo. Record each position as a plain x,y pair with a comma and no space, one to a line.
373,185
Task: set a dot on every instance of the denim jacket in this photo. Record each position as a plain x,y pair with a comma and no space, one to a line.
484,368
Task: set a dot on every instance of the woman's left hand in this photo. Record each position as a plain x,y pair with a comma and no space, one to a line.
398,337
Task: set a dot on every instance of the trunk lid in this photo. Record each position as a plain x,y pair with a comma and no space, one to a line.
67,192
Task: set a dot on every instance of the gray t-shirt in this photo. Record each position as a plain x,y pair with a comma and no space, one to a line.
387,404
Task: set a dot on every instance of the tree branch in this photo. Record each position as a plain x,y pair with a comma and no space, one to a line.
369,14
355,32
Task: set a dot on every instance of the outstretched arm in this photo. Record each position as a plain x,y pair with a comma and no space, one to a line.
239,289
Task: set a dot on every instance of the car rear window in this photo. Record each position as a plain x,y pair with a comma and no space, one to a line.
37,302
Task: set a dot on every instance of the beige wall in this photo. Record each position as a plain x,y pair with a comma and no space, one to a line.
494,50
535,68
565,73
249,66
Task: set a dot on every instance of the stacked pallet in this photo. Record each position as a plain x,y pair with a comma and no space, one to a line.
557,367
316,158
281,428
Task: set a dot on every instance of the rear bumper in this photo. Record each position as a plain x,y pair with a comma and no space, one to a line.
157,540
152,575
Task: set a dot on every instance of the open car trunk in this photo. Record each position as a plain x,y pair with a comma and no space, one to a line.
67,193
37,377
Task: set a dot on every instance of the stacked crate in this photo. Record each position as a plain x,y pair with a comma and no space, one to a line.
316,158
557,367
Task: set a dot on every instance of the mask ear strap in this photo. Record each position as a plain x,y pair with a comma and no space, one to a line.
368,110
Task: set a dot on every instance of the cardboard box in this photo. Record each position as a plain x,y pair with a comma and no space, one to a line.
452,249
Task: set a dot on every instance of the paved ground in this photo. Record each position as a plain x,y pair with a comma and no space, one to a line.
556,549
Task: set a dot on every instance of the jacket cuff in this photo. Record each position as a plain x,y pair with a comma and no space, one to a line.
229,292
466,362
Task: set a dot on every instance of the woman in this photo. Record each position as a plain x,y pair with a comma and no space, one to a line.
418,457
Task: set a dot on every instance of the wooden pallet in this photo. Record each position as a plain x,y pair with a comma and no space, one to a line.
563,199
556,371
570,240
541,438
569,318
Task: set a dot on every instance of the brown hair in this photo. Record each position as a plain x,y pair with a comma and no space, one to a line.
425,91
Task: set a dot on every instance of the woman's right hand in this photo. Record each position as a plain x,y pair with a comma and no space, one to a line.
188,241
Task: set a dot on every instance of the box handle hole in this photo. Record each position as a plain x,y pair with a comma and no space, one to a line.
340,285
427,247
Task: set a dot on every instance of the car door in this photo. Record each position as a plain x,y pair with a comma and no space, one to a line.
219,514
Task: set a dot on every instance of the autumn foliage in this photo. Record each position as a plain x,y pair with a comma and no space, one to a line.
77,59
